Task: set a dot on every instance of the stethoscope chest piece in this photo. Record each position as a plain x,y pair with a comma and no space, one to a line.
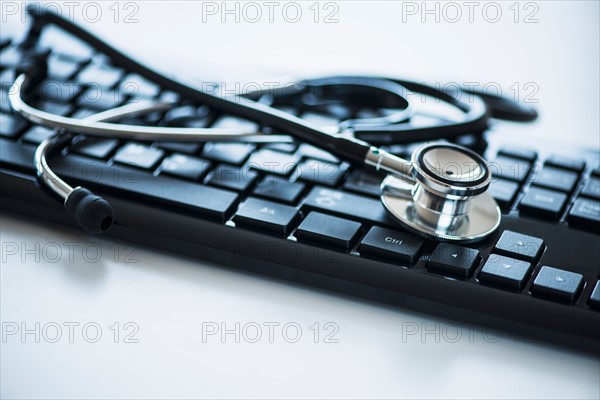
446,198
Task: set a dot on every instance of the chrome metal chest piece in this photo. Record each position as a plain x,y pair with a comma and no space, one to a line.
444,197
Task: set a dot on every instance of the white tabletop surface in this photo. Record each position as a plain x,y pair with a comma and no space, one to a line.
166,305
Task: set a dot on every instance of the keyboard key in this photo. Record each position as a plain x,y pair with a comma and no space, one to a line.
510,168
231,177
138,155
388,244
266,215
99,75
504,192
557,284
566,163
273,162
180,147
520,246
505,272
555,178
585,214
592,188
309,151
516,152
37,134
231,153
235,122
594,301
364,182
361,208
543,203
172,194
188,117
17,156
328,230
139,87
280,189
55,107
11,126
186,167
283,147
100,99
320,172
94,147
59,91
10,56
320,120
61,68
454,259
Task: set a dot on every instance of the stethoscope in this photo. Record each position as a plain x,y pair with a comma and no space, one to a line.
439,194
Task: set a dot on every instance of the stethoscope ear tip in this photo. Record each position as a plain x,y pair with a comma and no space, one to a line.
94,214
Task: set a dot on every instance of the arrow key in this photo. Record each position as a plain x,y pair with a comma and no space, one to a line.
557,284
505,272
455,260
519,246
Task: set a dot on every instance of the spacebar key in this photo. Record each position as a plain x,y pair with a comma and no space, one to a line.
140,185
361,208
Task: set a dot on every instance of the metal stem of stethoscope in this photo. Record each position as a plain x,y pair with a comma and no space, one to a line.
439,194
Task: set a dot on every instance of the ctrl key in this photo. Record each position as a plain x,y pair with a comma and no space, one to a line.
385,243
557,284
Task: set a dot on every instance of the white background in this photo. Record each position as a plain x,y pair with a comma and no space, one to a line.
170,297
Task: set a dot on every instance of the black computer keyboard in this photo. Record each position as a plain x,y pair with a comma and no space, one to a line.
294,211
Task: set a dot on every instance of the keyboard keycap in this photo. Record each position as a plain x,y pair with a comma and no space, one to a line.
138,155
361,208
100,99
11,126
59,91
364,182
280,189
273,162
543,203
594,301
283,147
37,134
320,172
186,167
388,244
510,168
557,284
592,188
566,163
452,259
231,153
505,272
520,246
234,178
504,192
516,152
555,178
235,122
100,75
160,190
179,147
585,214
328,230
95,147
309,151
139,87
61,68
266,215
